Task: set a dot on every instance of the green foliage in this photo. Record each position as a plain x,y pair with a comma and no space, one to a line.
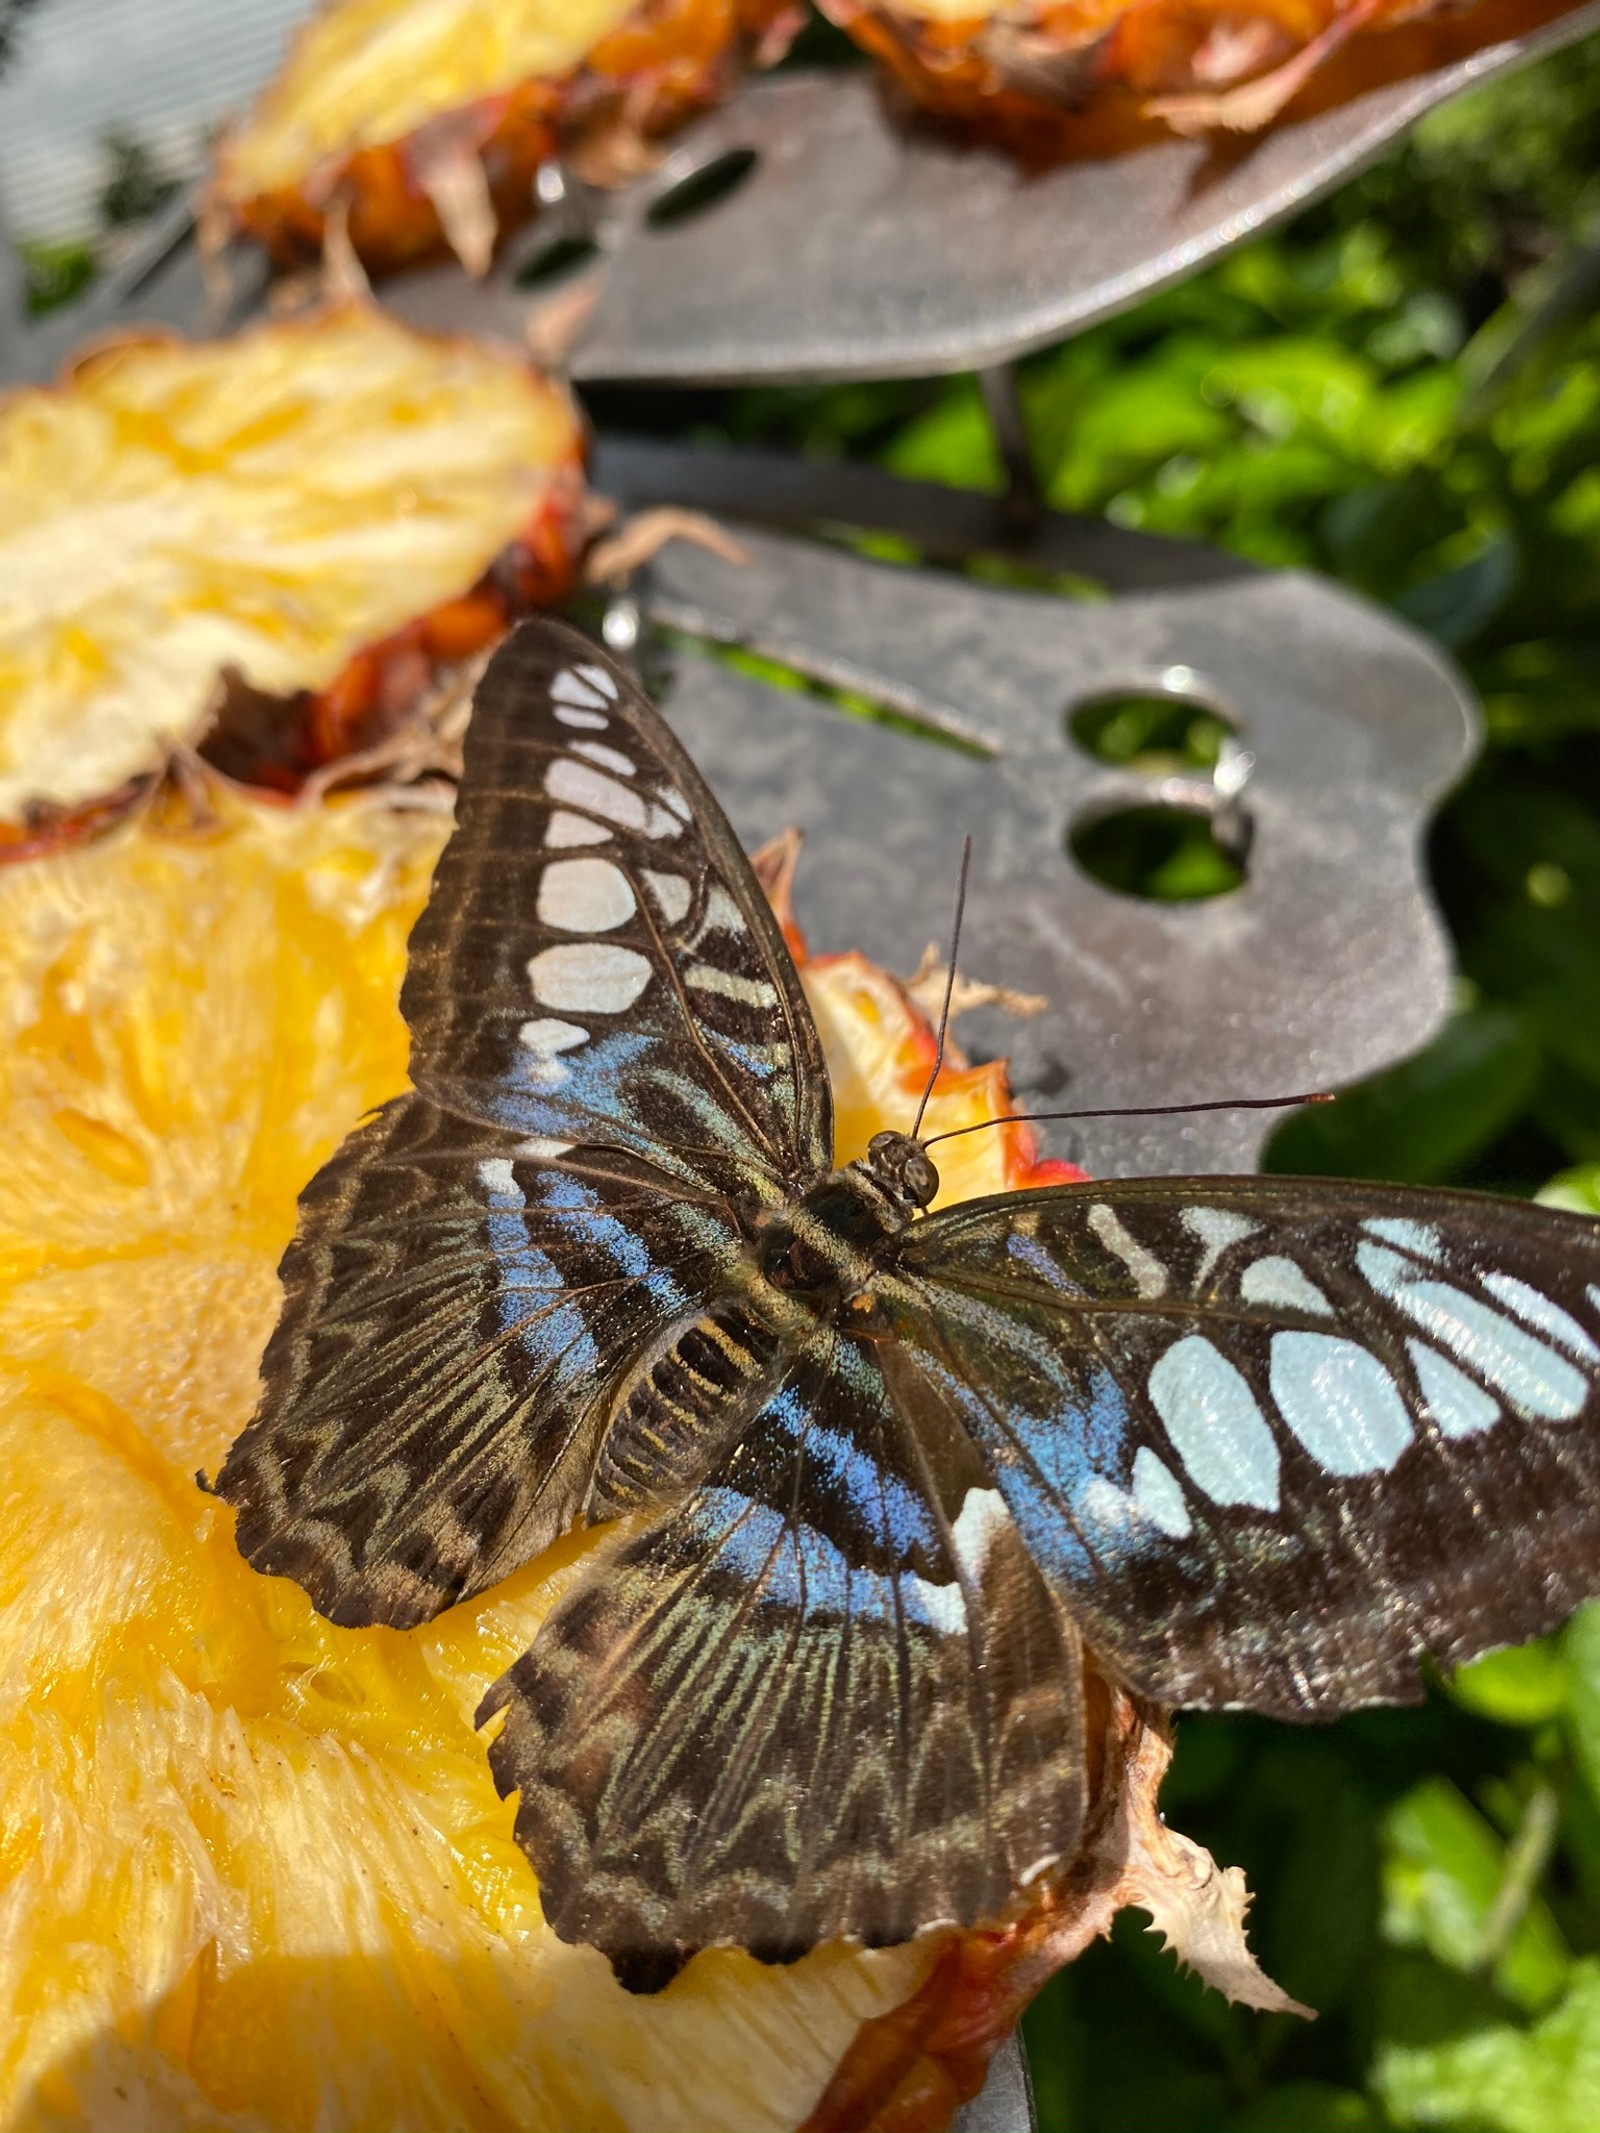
1402,390
53,274
136,184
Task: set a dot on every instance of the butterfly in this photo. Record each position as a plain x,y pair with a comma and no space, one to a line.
1254,1442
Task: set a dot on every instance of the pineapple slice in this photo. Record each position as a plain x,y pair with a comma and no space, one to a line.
254,1873
1028,70
426,120
337,506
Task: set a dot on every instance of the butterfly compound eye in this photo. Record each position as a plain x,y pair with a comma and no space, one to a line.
903,1167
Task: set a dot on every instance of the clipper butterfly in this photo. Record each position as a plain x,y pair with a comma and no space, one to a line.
1259,1443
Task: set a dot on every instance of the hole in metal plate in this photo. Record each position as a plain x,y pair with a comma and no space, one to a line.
1165,730
1164,853
895,714
555,261
702,189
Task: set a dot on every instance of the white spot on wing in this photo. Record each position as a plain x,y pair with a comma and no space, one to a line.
1528,1372
1158,1493
1419,1237
544,1040
600,678
496,1175
538,1150
1460,1408
584,896
570,715
607,758
941,1606
1340,1402
588,977
1149,1275
670,893
983,1513
1278,1284
564,829
568,689
581,785
1537,1309
753,992
722,913
1212,1418
1217,1228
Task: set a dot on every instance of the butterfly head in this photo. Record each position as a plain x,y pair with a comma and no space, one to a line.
902,1167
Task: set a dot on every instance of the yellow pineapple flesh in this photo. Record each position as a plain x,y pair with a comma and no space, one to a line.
279,505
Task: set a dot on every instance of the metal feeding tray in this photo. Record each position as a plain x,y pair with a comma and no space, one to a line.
804,231
845,245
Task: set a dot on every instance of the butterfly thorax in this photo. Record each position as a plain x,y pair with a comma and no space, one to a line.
823,1246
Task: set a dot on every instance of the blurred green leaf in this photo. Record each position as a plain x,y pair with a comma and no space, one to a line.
1444,1867
1308,2107
1578,1189
1503,2078
1580,1647
1525,1687
1457,605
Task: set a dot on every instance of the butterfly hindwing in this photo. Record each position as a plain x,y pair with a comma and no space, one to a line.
828,1695
597,961
1275,1440
457,1321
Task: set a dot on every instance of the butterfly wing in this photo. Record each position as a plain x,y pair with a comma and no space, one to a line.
609,1044
829,1694
457,1321
597,962
1275,1440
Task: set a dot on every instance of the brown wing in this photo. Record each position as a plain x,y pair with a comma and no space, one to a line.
828,1696
457,1319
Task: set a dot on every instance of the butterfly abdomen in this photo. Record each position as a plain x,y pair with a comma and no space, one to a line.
687,1399
681,1407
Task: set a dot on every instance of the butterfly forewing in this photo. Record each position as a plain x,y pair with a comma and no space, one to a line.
1275,1440
829,1695
457,1321
597,962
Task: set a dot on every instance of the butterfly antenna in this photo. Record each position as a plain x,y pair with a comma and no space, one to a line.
949,986
1228,1103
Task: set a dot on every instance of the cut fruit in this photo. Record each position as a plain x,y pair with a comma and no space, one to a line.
427,120
333,510
1086,76
255,1871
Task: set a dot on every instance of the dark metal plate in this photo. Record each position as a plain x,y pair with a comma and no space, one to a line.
858,249
1327,963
